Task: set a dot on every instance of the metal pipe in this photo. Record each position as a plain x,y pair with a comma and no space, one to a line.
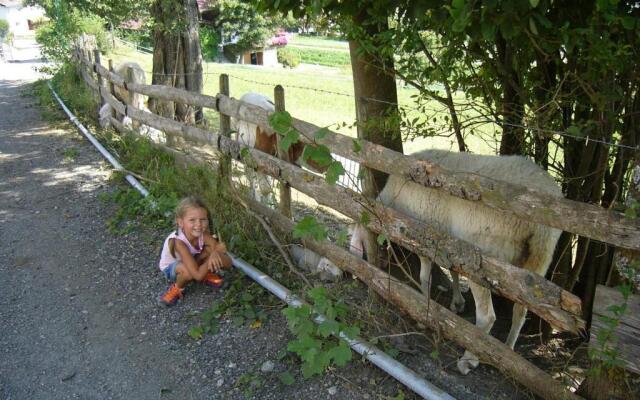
131,179
378,357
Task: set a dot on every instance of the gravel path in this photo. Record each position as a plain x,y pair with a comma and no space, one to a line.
78,304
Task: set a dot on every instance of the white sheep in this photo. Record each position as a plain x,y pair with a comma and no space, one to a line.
265,140
129,98
524,244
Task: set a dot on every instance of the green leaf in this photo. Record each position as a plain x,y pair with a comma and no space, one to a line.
290,138
392,352
286,378
365,218
321,133
341,354
318,153
320,298
628,22
334,172
281,354
342,237
280,121
309,227
196,332
534,3
246,297
238,320
356,145
488,30
326,328
244,152
351,331
434,354
341,309
381,239
302,345
532,26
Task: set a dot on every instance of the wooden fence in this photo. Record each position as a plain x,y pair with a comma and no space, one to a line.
557,306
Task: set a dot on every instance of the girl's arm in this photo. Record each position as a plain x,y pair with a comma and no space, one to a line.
217,254
198,272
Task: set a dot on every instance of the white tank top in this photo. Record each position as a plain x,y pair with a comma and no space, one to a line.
166,258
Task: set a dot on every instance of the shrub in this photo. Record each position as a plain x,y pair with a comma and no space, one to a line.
209,41
4,29
56,36
141,37
288,58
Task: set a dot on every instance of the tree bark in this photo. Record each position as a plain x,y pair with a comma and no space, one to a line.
376,97
177,58
512,107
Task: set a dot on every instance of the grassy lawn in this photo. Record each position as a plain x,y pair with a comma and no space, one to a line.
310,93
319,42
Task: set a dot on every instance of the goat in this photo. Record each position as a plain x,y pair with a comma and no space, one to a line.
129,98
254,136
521,243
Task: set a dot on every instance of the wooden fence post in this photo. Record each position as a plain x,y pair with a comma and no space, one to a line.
112,90
285,190
225,130
96,56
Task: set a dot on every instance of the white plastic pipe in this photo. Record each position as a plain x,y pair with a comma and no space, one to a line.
131,179
378,357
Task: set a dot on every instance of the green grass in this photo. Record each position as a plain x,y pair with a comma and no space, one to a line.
310,93
330,58
319,41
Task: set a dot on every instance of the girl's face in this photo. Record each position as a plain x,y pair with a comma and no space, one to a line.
193,223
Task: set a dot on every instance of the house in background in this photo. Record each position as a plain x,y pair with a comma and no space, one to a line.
266,55
22,20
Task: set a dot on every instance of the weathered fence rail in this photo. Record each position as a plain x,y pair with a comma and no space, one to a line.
581,218
559,307
572,216
431,314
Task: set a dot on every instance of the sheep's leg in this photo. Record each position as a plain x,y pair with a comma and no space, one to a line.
265,193
485,317
356,245
517,321
425,275
457,300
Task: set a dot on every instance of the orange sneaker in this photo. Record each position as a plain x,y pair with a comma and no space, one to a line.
213,280
171,296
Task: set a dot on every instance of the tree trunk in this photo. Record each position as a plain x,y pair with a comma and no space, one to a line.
512,108
177,58
376,97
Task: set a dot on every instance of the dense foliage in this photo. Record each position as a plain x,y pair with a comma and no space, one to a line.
57,35
288,58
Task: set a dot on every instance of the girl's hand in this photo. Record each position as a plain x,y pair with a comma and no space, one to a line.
215,264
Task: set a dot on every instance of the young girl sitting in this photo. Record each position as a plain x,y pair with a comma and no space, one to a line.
191,253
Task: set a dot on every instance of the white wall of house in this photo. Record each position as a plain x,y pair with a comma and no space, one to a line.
18,18
270,57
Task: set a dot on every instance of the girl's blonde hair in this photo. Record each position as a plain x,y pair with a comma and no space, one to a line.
181,209
187,203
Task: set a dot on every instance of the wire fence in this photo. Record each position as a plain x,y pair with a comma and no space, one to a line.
419,109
